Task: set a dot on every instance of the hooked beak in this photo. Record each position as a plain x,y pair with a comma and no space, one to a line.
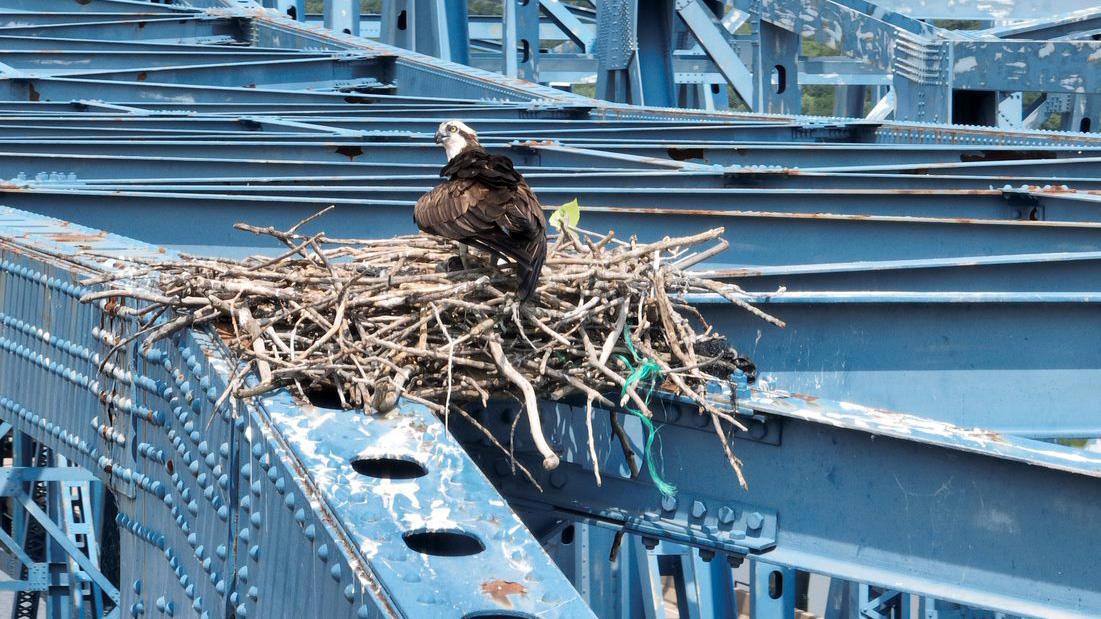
440,137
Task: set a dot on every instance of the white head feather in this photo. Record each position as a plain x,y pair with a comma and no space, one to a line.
455,135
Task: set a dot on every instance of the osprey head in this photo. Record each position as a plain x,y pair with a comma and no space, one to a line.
455,137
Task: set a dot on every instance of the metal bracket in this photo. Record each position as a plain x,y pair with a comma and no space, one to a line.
711,523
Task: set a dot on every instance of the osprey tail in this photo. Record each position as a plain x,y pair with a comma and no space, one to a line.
529,270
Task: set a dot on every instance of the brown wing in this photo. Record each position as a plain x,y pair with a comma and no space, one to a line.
506,221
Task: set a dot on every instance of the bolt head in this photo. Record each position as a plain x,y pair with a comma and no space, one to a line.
558,478
758,430
668,503
698,509
726,514
754,520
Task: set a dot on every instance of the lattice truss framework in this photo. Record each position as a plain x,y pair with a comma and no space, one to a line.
945,271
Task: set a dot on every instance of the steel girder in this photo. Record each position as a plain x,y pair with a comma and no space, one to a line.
941,270
690,53
176,149
252,508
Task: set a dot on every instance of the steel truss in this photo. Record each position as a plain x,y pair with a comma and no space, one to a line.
945,271
1029,60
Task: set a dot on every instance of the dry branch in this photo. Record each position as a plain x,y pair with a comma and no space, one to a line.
370,321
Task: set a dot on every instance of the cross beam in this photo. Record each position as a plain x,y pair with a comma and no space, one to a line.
949,498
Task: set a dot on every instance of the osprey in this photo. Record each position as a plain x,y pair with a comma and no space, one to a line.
485,203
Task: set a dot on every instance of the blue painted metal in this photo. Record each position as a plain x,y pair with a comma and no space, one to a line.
940,480
945,271
275,479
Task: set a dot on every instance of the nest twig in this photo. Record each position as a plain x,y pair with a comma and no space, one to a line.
377,320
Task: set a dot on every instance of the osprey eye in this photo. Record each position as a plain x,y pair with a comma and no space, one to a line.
452,128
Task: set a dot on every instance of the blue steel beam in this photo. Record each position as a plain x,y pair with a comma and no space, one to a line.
39,44
982,10
954,496
849,327
99,6
21,19
69,62
1007,163
217,502
970,206
297,73
160,29
1003,165
1080,24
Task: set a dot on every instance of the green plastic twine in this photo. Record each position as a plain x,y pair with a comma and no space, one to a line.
647,370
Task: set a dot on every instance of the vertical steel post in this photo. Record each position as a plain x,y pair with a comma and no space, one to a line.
452,25
849,101
654,56
773,591
509,39
342,16
777,83
527,38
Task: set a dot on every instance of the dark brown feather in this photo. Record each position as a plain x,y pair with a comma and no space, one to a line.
487,204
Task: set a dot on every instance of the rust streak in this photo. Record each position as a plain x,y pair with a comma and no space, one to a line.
499,590
75,237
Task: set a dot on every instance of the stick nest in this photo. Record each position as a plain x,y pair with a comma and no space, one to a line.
372,321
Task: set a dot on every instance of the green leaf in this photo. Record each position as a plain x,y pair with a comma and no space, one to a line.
569,212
